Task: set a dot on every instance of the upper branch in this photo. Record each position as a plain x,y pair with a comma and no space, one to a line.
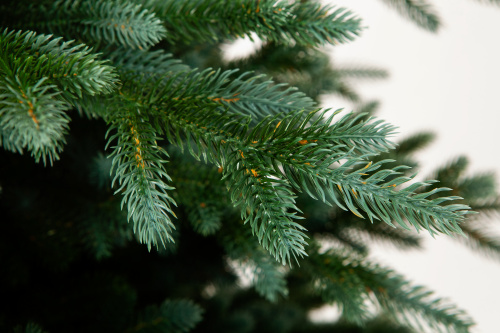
305,23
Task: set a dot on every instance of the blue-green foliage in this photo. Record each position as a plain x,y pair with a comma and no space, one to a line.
353,283
100,22
141,178
176,316
263,143
40,78
421,12
119,22
32,118
305,23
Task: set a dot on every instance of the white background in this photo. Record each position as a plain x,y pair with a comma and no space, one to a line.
448,83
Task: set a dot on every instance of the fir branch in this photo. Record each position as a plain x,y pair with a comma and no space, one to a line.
362,72
358,234
117,22
345,90
31,117
199,189
489,207
379,199
326,82
139,172
41,76
478,187
319,25
482,240
368,108
381,232
96,106
307,69
268,276
419,11
262,98
205,219
369,282
260,185
99,171
307,168
336,284
273,57
259,166
305,23
358,134
405,302
176,316
243,95
414,143
449,173
145,62
266,140
72,68
375,195
103,228
201,126
480,191
347,239
271,207
122,23
403,154
10,142
264,199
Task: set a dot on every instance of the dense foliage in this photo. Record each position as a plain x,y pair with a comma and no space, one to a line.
155,180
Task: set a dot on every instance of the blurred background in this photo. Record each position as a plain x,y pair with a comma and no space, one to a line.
448,83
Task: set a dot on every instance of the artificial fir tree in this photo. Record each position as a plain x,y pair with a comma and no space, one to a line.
155,179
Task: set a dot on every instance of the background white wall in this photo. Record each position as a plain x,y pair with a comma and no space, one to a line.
448,83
